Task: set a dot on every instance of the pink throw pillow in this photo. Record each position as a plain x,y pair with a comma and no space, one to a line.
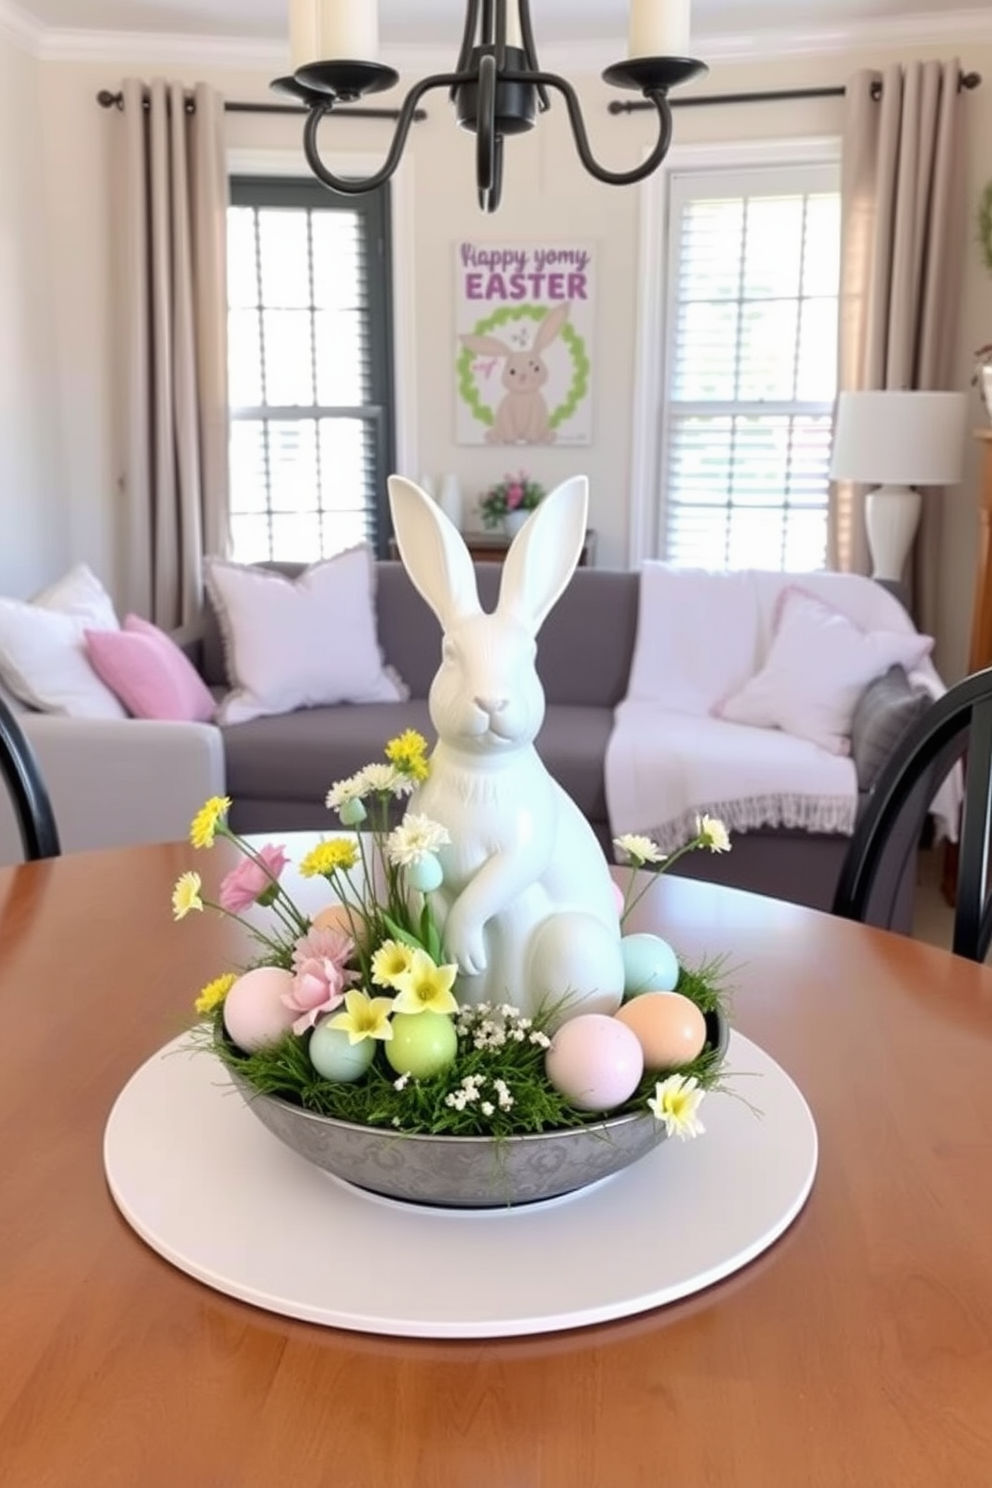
149,673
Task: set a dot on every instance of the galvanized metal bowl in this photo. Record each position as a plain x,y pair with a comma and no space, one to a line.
465,1172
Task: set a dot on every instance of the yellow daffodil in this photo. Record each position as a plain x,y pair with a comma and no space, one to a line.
206,821
214,992
327,857
408,752
391,960
365,1017
425,987
676,1102
186,895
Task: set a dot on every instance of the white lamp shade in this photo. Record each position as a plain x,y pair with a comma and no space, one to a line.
900,438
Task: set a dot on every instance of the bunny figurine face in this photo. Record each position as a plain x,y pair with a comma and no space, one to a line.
527,906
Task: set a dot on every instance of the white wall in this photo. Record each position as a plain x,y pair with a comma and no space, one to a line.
546,193
33,543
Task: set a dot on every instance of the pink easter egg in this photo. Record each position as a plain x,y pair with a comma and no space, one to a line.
595,1062
254,1013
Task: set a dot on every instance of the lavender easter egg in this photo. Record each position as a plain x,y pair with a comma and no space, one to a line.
595,1062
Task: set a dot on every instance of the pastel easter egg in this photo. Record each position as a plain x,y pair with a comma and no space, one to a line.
254,1013
594,1061
649,965
670,1028
334,1056
422,1044
333,917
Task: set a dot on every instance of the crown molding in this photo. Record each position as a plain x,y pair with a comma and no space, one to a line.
949,29
19,28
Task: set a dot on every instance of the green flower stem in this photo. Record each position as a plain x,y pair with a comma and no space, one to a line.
253,930
629,904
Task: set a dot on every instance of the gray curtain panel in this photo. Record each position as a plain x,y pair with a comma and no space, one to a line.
903,210
173,287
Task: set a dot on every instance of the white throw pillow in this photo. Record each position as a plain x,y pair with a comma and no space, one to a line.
300,643
43,653
818,665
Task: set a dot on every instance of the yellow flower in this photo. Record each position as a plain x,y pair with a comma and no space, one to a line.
327,857
186,895
391,960
214,993
676,1102
366,1017
408,752
425,987
207,820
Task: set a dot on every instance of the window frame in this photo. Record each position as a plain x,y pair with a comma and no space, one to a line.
278,162
655,296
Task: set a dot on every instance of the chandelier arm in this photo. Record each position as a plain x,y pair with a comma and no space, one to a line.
485,134
468,36
490,200
657,96
530,52
351,185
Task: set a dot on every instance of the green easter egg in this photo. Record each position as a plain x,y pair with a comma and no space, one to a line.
422,1044
649,965
335,1058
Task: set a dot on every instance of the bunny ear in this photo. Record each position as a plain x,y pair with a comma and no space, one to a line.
433,552
551,325
543,555
486,345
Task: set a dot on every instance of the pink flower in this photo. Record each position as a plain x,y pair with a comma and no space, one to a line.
249,881
321,976
514,496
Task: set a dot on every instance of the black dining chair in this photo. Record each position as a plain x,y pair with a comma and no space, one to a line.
889,828
32,804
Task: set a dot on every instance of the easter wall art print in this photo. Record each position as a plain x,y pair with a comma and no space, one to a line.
524,317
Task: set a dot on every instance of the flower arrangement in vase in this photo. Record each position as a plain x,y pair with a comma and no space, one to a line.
508,503
469,979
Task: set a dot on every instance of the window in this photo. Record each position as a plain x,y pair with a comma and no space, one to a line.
751,366
309,338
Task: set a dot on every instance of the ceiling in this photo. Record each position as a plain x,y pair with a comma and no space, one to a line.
433,21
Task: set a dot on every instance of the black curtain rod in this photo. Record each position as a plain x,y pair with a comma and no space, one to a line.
106,99
965,80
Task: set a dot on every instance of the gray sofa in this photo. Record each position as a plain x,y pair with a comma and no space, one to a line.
278,769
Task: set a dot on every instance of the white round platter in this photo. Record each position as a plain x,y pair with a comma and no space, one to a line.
208,1188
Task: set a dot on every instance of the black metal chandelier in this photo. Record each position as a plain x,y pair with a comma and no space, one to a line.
497,87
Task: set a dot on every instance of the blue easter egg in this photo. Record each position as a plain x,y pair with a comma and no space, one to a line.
649,965
334,1057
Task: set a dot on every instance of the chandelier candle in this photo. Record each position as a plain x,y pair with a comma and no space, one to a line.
342,29
659,28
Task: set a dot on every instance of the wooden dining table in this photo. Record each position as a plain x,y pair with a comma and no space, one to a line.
855,1353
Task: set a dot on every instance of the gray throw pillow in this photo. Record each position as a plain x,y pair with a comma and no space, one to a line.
883,713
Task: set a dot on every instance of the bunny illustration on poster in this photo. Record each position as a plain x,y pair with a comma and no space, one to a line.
527,907
522,415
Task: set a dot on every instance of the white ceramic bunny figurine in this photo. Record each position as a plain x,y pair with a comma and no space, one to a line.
529,911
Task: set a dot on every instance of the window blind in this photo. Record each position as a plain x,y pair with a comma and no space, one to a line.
309,374
750,367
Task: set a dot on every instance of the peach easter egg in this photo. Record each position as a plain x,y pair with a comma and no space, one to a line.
669,1027
333,917
254,1013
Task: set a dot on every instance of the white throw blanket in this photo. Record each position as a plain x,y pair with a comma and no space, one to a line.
700,637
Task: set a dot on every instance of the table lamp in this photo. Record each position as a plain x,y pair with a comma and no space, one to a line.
897,442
